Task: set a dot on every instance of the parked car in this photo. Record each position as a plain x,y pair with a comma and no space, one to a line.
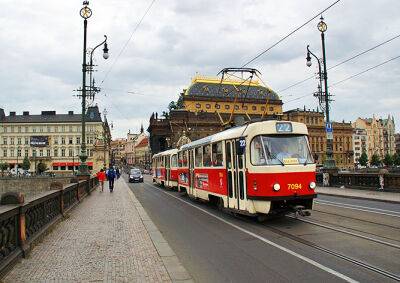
135,175
145,171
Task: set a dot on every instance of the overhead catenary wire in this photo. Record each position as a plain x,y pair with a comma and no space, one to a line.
291,33
349,77
343,62
126,44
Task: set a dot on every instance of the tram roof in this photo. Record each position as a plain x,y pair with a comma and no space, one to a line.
166,152
262,127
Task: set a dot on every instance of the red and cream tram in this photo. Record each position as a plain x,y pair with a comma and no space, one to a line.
256,169
165,168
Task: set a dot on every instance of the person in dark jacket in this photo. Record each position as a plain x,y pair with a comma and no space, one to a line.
111,175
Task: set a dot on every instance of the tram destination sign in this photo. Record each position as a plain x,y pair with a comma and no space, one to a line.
284,127
39,141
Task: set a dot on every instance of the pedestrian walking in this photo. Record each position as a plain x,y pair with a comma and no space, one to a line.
111,177
118,173
101,176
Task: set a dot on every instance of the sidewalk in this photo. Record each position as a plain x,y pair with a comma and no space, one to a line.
361,194
106,238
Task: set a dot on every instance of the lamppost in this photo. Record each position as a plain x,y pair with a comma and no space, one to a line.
324,97
86,13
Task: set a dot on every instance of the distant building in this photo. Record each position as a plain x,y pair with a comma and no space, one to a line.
133,152
360,143
53,139
380,132
208,107
397,143
342,136
118,151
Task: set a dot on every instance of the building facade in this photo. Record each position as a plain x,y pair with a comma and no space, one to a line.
380,133
131,142
360,143
397,143
342,136
118,149
52,139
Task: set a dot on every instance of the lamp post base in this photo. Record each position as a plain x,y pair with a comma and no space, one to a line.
83,167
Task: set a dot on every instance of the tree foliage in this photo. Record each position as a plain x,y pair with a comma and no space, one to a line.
3,166
396,159
375,160
26,164
41,167
388,160
363,160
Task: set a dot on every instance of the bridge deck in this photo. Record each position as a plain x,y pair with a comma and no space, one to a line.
103,239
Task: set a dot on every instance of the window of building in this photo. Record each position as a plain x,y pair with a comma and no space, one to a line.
41,152
217,106
26,152
4,152
26,129
48,152
198,105
70,152
198,159
227,106
78,140
11,140
34,153
55,140
217,157
12,129
63,152
55,168
19,129
70,140
41,129
70,128
19,153
26,141
63,129
62,168
55,152
4,140
207,156
262,108
34,129
62,140
208,106
11,152
236,107
244,107
19,141
271,108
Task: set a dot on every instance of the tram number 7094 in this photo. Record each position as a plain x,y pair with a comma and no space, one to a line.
294,187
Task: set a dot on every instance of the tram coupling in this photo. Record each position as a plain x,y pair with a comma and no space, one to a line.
300,210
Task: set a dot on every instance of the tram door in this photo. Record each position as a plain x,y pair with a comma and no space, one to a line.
191,172
235,164
167,170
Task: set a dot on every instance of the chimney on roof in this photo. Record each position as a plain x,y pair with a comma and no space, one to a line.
70,112
48,112
12,113
25,113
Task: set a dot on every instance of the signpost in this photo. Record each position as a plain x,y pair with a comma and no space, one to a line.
329,131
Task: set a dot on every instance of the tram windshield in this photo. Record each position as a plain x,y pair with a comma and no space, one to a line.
280,150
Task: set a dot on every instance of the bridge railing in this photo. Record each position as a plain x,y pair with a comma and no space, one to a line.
391,181
22,225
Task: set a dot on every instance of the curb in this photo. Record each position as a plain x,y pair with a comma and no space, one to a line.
174,267
359,197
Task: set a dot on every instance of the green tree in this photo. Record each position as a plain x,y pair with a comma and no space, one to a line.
26,164
396,159
375,160
363,160
388,160
3,166
41,167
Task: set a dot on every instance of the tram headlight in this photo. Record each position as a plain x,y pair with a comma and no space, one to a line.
312,185
276,187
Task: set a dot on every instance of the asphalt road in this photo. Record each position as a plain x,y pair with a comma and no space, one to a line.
215,246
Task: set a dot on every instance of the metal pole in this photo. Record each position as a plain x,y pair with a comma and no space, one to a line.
330,162
83,169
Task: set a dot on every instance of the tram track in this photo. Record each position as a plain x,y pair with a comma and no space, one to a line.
348,232
334,253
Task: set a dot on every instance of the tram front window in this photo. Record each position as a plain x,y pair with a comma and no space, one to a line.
280,150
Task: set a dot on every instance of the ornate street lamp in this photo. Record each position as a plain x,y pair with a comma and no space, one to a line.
86,13
324,97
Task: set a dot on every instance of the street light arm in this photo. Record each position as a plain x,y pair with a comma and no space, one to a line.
92,51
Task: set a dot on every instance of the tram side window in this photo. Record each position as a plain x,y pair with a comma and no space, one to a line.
198,159
180,159
185,158
207,155
217,156
167,161
174,161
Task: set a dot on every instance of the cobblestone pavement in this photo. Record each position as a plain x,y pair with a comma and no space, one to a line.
103,239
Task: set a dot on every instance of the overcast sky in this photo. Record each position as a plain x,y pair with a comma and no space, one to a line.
41,44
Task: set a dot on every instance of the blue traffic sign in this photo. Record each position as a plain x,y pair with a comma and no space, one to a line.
328,127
